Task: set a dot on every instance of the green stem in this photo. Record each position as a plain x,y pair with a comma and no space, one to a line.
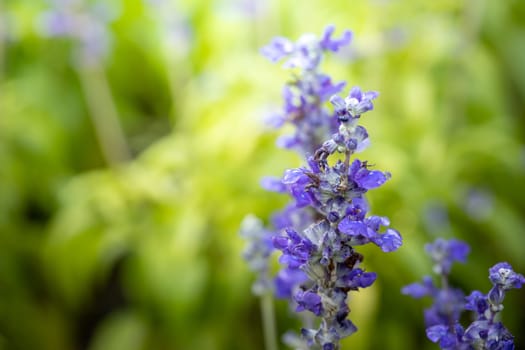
104,115
268,320
178,80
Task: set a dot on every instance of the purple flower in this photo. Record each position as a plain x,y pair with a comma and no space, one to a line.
368,180
306,53
503,276
292,216
325,88
279,48
296,249
327,43
305,95
356,103
355,278
390,241
489,335
366,231
364,178
444,335
477,302
445,253
419,290
288,279
308,301
273,184
447,307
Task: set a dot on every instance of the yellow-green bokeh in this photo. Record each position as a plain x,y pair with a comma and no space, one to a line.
146,254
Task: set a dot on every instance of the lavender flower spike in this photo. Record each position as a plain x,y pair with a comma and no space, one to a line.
325,251
328,218
305,96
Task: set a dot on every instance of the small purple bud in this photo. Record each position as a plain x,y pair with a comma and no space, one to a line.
277,49
419,290
273,184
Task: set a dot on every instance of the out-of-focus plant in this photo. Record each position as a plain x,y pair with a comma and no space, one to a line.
86,25
175,35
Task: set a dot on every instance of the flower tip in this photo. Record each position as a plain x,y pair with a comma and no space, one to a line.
327,43
329,30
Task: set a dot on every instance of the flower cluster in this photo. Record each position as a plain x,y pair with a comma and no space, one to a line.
304,99
318,244
328,216
322,264
442,318
305,95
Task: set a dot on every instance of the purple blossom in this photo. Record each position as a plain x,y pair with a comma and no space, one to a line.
325,88
389,241
477,302
488,335
297,249
306,52
356,103
327,43
438,332
364,178
355,278
273,184
287,280
366,231
447,339
308,301
305,95
503,276
447,307
278,49
292,216
445,253
419,290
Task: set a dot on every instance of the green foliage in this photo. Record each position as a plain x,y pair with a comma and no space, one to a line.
145,254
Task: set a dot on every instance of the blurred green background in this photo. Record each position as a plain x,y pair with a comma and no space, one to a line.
123,182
